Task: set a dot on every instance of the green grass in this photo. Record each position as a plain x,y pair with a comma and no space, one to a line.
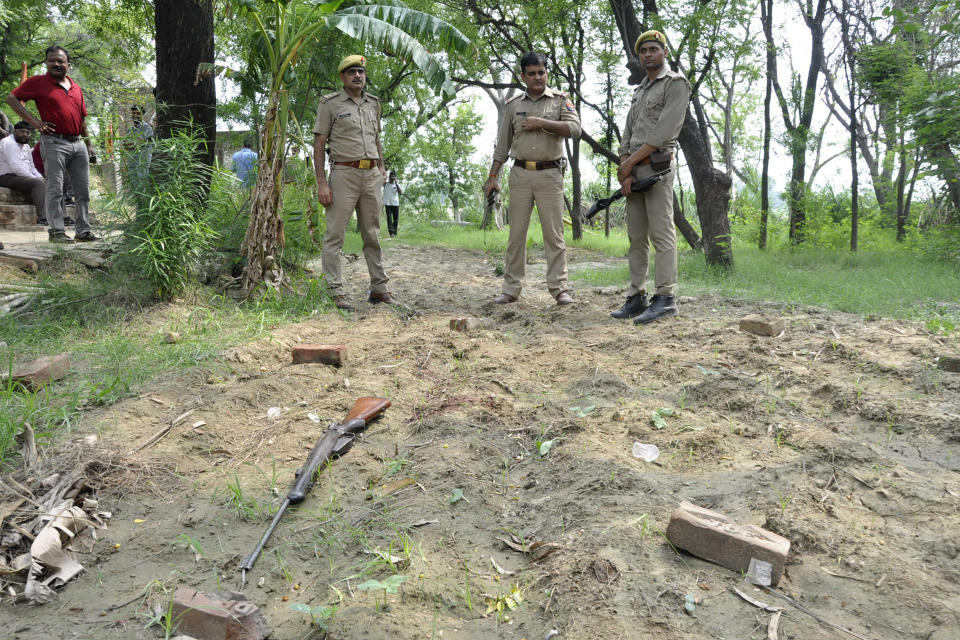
890,283
421,233
895,283
116,345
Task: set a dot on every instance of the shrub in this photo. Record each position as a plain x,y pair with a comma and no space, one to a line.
168,232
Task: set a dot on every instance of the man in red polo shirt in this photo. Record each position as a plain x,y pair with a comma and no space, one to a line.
64,142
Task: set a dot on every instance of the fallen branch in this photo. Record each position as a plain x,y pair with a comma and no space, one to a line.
164,431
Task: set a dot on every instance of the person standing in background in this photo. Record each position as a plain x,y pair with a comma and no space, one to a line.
391,202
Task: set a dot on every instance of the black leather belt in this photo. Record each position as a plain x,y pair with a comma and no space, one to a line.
538,165
64,137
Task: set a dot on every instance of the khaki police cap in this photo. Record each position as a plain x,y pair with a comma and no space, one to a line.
352,61
650,36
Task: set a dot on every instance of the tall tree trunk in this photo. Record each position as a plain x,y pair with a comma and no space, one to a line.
712,187
184,39
264,240
685,228
799,131
766,13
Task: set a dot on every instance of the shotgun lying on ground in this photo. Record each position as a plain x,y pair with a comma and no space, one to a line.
639,186
335,442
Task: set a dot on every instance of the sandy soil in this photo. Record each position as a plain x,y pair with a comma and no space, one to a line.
840,434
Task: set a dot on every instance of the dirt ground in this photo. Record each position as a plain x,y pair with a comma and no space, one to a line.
840,434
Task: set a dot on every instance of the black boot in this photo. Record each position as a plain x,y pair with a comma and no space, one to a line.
635,305
660,307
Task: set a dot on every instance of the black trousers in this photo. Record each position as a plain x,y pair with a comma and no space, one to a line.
393,218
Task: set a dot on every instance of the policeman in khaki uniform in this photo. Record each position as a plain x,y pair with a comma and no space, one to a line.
532,132
650,138
349,120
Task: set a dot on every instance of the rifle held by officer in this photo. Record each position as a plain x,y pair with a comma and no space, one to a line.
638,186
335,442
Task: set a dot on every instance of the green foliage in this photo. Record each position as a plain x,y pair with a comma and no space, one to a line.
167,231
444,150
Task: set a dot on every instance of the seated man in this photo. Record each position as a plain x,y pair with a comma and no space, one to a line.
16,167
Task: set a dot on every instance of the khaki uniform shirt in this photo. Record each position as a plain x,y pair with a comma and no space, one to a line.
656,113
351,127
537,145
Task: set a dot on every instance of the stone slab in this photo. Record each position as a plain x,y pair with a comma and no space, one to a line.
332,354
41,371
715,537
762,326
222,615
17,215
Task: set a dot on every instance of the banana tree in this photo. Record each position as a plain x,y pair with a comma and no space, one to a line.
282,28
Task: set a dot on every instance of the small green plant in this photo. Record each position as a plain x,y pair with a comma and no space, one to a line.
190,543
783,500
457,495
245,506
390,585
320,616
503,603
657,417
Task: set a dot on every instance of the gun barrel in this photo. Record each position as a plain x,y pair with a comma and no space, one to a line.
363,411
251,559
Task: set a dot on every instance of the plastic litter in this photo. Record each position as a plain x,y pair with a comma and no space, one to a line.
646,452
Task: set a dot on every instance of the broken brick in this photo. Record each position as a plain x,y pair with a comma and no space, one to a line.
949,363
334,354
713,536
761,326
41,371
222,615
464,325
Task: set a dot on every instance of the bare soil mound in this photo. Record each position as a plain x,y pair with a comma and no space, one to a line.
526,511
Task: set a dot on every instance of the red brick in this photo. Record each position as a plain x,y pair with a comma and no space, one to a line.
714,537
464,325
334,354
949,363
40,372
762,326
223,615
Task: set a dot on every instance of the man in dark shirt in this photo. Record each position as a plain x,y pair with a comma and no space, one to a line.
64,142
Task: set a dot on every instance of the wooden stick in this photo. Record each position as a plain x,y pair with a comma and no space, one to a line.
773,626
164,431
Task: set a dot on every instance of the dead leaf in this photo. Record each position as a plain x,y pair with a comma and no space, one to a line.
605,571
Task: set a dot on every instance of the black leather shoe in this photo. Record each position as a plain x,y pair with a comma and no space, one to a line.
86,236
660,307
635,305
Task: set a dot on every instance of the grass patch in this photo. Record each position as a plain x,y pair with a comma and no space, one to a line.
890,283
115,343
494,241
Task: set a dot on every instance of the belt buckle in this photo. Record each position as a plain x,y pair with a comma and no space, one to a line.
364,164
530,165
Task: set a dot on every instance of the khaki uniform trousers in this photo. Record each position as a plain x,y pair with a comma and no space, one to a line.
545,188
650,220
358,189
